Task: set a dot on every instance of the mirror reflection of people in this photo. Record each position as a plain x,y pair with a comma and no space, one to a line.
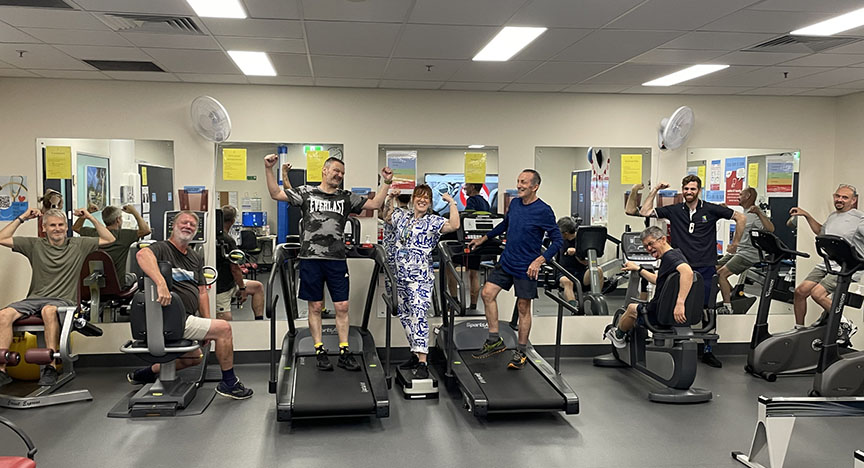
471,262
229,280
55,261
568,260
632,208
527,220
843,222
417,233
694,231
747,255
325,209
119,249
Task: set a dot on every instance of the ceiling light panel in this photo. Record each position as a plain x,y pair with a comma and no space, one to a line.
253,63
507,43
686,74
832,26
218,8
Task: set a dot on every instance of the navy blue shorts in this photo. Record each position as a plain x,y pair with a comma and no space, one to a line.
313,275
525,288
707,273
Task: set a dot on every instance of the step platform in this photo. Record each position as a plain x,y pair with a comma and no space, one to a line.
417,389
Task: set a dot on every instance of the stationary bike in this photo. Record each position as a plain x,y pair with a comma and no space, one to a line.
590,243
838,375
786,353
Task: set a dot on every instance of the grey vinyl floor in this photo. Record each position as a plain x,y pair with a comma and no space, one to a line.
617,427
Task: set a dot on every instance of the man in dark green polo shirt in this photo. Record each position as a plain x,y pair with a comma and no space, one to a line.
119,249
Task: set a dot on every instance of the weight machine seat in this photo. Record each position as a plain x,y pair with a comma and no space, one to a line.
590,238
112,288
693,305
32,320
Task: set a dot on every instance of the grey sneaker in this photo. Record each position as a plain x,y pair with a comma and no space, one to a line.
48,376
5,379
489,349
237,391
617,342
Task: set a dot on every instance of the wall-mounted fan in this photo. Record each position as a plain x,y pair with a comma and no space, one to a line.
674,129
210,119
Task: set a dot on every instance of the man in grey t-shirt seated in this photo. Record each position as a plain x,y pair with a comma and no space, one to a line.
842,222
746,255
55,261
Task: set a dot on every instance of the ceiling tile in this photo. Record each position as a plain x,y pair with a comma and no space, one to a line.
550,43
828,92
614,46
826,60
780,22
705,40
775,91
854,48
208,78
269,9
172,41
40,56
141,76
258,44
676,56
10,34
837,76
632,74
715,90
156,7
193,61
407,69
654,90
755,58
492,72
457,86
77,37
346,83
104,53
595,88
16,73
290,65
282,80
48,18
348,67
475,12
254,28
535,87
445,42
680,15
71,74
398,84
827,6
755,76
563,72
384,11
358,39
563,13
851,85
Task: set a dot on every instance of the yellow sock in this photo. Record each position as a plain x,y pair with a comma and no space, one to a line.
319,344
343,344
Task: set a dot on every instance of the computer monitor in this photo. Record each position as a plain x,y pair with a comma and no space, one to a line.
254,218
200,236
454,185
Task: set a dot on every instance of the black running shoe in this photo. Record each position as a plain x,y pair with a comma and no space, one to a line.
140,377
48,377
489,349
238,391
518,360
710,359
347,361
422,371
411,363
322,362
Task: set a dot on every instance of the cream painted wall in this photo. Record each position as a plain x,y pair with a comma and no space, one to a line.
363,119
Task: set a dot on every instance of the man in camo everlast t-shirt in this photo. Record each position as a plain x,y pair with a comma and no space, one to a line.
325,209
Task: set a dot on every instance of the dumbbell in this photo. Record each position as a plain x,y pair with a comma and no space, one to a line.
41,356
9,358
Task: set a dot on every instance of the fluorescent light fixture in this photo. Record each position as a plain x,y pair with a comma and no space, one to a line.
507,43
686,74
476,146
832,26
218,8
253,63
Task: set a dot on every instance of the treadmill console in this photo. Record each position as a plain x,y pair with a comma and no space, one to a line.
476,225
633,249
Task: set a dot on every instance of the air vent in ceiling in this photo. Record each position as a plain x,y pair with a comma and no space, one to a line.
124,65
801,44
37,4
150,23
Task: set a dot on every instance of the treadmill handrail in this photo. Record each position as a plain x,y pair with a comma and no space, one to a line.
577,287
445,263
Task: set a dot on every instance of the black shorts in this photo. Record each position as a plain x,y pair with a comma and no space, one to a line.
471,262
650,309
313,275
525,288
34,305
579,273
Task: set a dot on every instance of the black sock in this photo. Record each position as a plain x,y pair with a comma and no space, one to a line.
474,306
707,348
228,377
259,317
422,364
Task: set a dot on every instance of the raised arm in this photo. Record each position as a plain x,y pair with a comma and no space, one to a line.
648,203
386,214
79,223
766,221
9,230
632,207
815,226
740,223
143,227
377,202
105,236
685,283
451,224
272,184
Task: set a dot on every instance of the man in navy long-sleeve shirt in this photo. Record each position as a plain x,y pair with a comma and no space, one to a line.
528,219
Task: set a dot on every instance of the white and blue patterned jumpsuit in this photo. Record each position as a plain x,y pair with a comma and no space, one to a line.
388,238
415,239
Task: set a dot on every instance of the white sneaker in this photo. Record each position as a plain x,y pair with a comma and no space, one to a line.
619,343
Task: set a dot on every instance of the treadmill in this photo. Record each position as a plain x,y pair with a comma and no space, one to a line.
487,385
302,391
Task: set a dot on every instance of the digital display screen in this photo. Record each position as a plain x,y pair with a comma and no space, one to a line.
454,184
254,218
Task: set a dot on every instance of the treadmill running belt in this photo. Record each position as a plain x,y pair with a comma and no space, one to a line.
336,393
511,389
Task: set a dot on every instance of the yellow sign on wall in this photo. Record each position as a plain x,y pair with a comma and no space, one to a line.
315,164
631,169
58,162
234,164
144,175
753,174
475,168
701,173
